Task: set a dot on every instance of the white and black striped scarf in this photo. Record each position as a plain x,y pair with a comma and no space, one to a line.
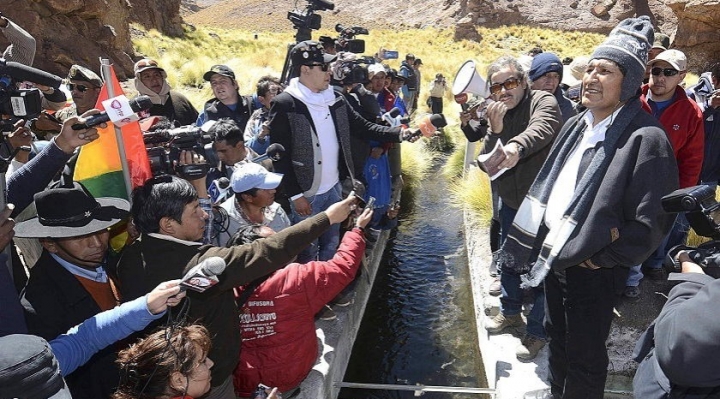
516,254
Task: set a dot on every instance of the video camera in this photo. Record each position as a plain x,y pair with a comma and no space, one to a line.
347,42
306,20
164,145
703,212
350,70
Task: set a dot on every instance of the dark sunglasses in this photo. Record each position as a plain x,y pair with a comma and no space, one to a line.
509,84
323,67
79,87
665,71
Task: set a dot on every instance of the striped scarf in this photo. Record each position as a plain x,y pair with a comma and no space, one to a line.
517,253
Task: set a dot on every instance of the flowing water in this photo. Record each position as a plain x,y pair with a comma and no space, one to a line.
419,326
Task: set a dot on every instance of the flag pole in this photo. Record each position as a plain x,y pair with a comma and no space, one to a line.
105,70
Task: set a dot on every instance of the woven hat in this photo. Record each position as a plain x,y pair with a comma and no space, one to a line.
573,73
628,45
71,212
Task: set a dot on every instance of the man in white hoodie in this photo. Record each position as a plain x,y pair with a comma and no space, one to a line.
314,125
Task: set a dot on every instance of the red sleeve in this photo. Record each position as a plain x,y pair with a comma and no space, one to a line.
690,156
323,281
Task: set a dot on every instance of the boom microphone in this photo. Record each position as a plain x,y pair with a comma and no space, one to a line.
138,104
21,72
203,275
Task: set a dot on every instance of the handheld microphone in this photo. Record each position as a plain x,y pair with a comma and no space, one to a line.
203,275
219,190
23,72
274,152
391,117
138,104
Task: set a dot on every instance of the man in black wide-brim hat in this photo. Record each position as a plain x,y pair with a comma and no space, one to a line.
69,283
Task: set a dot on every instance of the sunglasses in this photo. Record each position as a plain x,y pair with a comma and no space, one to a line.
79,87
509,84
323,67
665,71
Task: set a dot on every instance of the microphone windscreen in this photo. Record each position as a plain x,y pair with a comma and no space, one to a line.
214,266
23,72
438,120
223,182
274,149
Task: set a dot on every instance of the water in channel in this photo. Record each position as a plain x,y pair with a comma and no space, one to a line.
419,325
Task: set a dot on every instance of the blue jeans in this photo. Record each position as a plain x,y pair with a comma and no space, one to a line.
506,216
511,299
677,236
511,302
323,248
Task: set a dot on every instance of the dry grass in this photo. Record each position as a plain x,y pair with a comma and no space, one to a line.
254,54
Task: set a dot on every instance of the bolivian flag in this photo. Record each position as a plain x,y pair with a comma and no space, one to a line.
98,166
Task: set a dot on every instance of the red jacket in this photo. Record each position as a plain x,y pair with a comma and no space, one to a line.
683,123
279,344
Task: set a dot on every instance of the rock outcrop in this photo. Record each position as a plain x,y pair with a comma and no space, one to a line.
698,31
81,31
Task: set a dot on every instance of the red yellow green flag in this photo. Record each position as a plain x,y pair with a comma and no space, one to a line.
98,166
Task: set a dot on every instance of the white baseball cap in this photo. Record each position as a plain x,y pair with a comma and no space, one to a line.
676,58
251,175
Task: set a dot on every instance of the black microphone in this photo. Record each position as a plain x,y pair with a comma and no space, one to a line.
427,126
275,151
203,275
22,72
137,104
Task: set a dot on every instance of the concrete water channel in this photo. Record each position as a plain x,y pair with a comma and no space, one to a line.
419,323
420,311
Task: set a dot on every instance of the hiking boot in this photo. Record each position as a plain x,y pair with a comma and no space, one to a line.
529,347
495,288
326,314
501,322
631,292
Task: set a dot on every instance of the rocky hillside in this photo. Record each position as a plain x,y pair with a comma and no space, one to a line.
81,31
694,25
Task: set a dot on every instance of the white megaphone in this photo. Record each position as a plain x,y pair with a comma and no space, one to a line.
468,80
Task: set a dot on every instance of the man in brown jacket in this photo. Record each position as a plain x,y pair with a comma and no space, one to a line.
524,122
167,213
